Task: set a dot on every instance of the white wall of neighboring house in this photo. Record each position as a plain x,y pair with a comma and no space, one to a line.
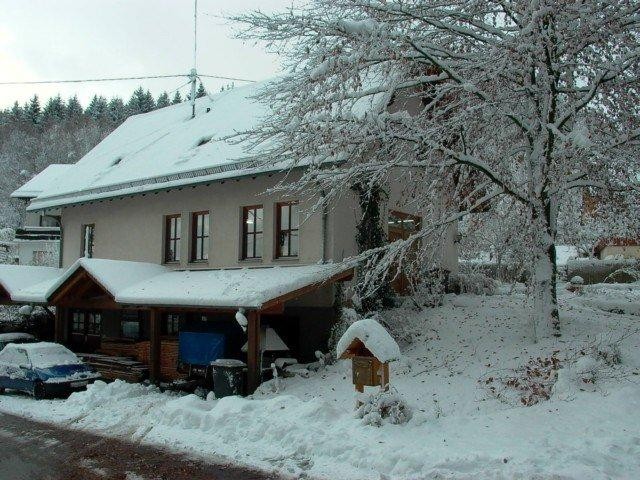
620,251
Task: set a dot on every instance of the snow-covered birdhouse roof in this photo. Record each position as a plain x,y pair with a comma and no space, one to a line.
370,335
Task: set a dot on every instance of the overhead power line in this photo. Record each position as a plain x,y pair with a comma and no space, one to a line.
85,80
115,79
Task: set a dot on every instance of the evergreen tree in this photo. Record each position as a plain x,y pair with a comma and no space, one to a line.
16,113
116,111
74,109
201,92
32,111
163,100
97,108
148,103
177,98
54,110
140,102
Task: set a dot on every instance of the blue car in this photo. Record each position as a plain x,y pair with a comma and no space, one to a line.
43,370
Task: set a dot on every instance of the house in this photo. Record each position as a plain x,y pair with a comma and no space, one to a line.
37,242
169,229
617,247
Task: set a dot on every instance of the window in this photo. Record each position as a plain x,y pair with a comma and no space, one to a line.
402,225
252,218
94,323
288,222
77,323
88,240
172,324
199,236
86,323
130,325
173,229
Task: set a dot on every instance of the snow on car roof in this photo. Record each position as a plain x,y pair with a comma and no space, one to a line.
158,147
46,354
374,337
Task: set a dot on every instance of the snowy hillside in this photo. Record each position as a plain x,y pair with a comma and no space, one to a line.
458,373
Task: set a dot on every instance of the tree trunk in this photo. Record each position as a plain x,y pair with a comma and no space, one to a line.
544,275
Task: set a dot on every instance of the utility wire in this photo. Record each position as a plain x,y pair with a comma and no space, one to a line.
86,80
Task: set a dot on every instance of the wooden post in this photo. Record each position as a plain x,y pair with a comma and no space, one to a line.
254,366
59,325
154,345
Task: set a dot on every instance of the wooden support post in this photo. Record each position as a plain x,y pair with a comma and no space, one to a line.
154,346
60,325
254,366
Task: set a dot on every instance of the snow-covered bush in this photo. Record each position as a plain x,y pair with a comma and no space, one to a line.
383,407
429,292
473,283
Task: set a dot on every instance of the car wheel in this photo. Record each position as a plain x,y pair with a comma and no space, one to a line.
39,391
1,390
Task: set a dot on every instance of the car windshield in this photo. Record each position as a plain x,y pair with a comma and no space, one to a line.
52,356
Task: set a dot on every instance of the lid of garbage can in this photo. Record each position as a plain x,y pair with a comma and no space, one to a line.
228,362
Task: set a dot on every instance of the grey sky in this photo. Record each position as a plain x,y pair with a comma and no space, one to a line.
68,39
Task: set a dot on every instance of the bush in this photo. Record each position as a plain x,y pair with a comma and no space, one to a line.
384,407
473,283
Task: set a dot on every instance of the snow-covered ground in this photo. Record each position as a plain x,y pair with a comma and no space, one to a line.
451,357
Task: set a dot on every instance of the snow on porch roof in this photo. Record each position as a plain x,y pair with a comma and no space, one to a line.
233,288
163,148
27,284
148,284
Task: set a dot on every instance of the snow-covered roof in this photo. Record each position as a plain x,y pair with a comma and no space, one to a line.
232,288
163,148
113,275
139,283
42,182
375,338
27,284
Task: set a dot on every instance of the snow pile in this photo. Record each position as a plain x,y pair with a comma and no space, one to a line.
456,430
374,337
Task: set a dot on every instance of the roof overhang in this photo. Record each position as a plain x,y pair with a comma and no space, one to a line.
115,284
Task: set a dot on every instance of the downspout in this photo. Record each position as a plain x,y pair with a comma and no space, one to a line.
325,217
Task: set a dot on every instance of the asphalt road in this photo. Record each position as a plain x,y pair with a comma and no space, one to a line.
36,451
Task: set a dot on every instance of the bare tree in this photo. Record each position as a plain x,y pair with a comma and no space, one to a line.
528,100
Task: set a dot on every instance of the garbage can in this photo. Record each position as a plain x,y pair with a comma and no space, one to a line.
228,377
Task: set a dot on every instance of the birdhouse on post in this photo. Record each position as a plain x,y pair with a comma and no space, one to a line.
370,348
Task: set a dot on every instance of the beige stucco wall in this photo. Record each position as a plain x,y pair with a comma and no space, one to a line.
132,228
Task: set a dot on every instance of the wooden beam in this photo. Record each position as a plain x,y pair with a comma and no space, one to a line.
254,367
338,277
60,325
154,345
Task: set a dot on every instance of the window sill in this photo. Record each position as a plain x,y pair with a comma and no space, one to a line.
287,259
195,263
251,260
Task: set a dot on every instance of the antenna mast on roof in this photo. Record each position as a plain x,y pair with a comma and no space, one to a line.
193,75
